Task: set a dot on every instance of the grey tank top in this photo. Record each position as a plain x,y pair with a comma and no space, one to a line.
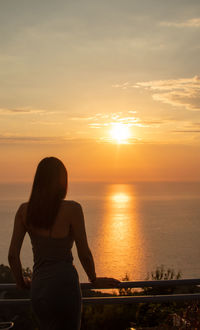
48,250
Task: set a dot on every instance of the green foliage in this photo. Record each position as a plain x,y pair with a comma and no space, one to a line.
5,274
21,316
160,273
126,291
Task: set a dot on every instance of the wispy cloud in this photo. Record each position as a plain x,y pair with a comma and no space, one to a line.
46,140
45,123
29,111
123,85
82,117
189,127
184,92
98,125
191,23
20,111
128,118
130,140
186,131
27,139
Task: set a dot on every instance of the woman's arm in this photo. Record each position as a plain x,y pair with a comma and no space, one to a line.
84,253
19,232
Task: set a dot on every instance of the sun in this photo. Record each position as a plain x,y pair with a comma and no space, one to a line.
120,133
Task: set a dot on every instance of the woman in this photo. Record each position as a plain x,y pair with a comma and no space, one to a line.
53,224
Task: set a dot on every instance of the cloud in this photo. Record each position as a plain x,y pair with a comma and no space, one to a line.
46,123
82,117
189,127
29,111
129,118
47,140
102,120
98,125
191,23
26,139
20,111
176,92
130,140
186,131
124,85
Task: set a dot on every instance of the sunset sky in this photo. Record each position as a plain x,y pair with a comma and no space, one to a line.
72,72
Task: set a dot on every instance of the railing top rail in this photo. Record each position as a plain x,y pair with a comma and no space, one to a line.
122,299
117,299
130,284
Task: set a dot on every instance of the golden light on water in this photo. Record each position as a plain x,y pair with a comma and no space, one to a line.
120,198
120,231
120,133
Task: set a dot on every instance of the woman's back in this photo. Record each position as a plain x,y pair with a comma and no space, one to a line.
55,289
48,250
62,223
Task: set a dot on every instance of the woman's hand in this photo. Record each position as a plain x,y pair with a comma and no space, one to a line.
26,284
105,283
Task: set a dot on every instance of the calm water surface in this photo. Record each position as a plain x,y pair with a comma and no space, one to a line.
131,228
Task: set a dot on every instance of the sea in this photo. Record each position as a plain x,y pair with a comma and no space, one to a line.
132,228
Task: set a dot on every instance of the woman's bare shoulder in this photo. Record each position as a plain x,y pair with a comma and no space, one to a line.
73,209
22,211
23,208
71,204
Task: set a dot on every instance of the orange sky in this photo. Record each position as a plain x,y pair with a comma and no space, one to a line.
71,71
92,161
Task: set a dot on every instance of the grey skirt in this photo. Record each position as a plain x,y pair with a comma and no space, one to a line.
56,297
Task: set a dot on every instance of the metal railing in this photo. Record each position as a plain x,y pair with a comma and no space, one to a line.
124,299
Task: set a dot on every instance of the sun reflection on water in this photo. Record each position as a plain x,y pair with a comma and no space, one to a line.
121,238
120,198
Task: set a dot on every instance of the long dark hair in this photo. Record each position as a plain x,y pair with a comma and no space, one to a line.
49,188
